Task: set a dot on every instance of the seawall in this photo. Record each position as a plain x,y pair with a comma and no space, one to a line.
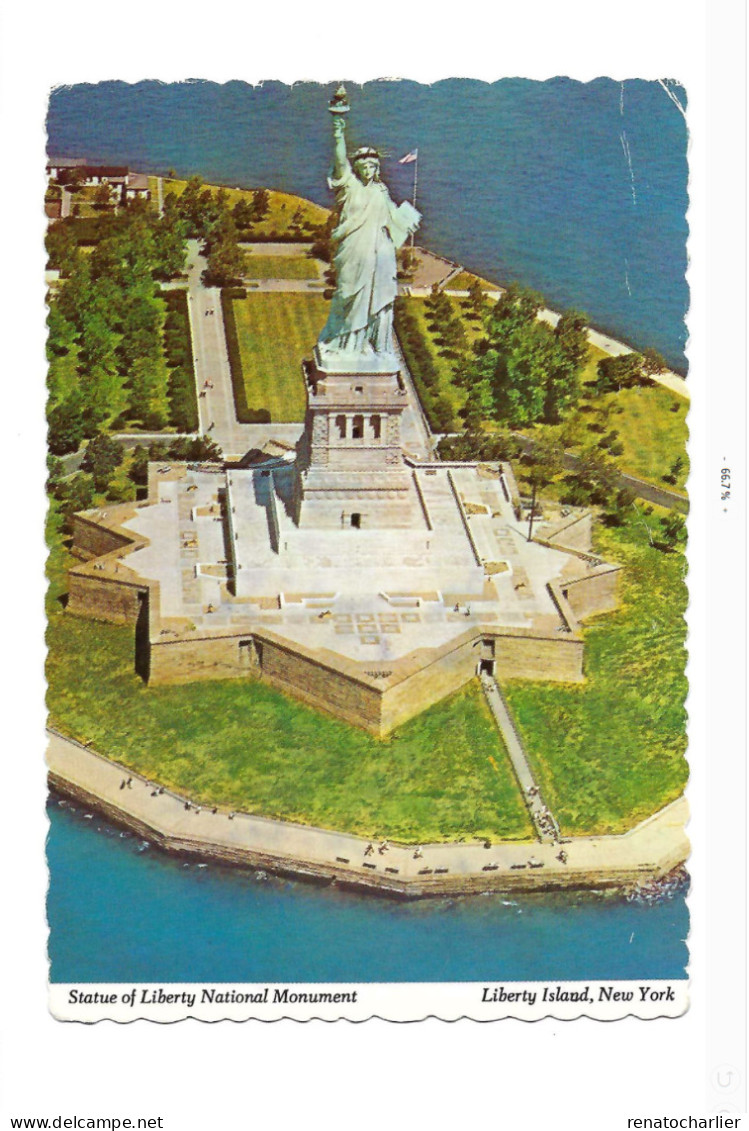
176,825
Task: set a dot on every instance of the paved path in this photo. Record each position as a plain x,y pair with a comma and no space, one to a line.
65,204
653,848
216,410
544,821
160,194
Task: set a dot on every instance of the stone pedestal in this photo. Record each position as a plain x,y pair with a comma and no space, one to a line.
350,468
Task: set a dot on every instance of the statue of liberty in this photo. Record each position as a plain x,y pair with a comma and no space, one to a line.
370,229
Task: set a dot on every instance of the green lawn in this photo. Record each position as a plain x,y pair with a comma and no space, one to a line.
281,267
654,432
275,332
611,751
441,776
464,280
650,421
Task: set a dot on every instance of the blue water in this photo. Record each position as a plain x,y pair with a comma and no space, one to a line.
517,179
121,912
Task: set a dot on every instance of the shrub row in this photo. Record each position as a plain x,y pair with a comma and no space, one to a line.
250,236
245,414
437,408
183,401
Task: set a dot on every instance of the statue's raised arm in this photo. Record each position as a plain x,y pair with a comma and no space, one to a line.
340,157
369,230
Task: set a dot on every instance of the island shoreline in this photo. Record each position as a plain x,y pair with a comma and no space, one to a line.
650,852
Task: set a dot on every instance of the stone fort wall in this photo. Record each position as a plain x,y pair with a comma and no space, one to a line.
346,690
378,701
105,598
92,540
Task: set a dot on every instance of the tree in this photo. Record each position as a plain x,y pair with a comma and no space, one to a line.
62,247
454,336
190,206
478,406
322,247
541,464
595,479
103,195
521,372
201,448
138,467
66,424
61,333
516,307
653,362
149,402
563,378
675,470
442,415
623,372
55,473
227,263
104,397
102,458
73,178
531,370
170,247
243,214
477,300
260,204
406,263
75,494
619,505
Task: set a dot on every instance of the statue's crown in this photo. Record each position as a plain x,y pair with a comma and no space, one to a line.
365,152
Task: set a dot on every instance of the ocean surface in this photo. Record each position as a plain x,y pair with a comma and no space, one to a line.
577,189
121,911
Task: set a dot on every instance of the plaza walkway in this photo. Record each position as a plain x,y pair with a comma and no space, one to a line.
178,824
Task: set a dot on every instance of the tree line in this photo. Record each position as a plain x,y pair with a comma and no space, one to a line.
106,322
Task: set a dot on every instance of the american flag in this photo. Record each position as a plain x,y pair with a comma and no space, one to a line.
409,158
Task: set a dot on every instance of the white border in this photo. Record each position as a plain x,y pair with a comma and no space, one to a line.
575,1075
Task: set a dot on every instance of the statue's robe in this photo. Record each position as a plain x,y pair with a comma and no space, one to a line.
366,237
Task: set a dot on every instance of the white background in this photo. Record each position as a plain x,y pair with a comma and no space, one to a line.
574,1075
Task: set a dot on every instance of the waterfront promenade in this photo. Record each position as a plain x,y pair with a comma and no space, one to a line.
176,824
